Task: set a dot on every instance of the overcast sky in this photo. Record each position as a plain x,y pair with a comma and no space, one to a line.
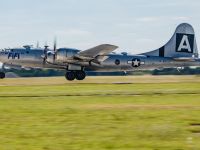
134,25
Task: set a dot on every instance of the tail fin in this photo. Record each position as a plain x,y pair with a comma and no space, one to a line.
182,44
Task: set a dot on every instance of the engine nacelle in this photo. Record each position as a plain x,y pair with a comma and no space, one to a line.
65,54
50,56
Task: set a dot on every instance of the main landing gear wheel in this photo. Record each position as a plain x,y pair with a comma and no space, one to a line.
70,76
2,75
80,75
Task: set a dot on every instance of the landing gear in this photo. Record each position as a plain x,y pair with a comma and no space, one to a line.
72,75
80,75
2,75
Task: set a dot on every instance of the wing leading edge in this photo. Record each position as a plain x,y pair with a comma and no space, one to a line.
92,53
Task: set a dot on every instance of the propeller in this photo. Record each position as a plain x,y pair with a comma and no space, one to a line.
38,44
55,49
53,52
55,45
46,45
45,52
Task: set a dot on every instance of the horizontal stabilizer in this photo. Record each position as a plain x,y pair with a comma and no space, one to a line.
189,59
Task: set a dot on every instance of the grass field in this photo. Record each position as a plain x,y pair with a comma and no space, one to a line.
100,113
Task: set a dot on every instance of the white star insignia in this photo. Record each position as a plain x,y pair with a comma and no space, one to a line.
136,63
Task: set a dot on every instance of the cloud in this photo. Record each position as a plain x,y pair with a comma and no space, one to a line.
145,40
147,19
75,37
124,25
73,32
162,19
181,18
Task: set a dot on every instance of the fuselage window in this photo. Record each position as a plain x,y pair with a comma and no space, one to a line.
117,62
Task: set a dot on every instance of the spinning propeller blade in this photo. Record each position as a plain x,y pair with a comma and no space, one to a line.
55,48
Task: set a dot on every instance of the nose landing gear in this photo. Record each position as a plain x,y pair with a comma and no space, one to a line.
2,75
72,75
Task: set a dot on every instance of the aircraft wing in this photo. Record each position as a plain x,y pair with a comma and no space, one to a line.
92,53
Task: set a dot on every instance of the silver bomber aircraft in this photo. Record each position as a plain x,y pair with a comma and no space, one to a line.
180,51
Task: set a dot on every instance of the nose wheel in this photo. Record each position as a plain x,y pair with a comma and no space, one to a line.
2,75
72,75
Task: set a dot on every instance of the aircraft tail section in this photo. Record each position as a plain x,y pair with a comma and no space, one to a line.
182,44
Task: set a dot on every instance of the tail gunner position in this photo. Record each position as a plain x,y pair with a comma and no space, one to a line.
180,51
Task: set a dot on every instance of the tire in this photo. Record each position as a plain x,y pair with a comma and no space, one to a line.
70,76
80,75
2,75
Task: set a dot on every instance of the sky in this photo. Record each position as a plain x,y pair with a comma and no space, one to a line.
135,26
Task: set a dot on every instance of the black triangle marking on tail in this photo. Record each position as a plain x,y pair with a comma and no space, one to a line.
185,43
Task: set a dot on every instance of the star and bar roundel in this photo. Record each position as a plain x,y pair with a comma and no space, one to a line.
136,62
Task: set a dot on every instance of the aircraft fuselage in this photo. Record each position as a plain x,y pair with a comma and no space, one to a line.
114,62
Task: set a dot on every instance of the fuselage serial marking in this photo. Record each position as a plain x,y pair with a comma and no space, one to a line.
13,55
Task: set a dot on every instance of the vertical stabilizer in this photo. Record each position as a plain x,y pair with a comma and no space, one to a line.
182,44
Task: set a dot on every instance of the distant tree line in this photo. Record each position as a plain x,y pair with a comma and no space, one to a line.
174,71
51,72
37,72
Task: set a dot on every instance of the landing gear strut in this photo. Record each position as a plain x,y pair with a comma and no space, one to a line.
2,75
72,75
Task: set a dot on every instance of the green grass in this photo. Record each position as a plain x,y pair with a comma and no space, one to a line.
88,116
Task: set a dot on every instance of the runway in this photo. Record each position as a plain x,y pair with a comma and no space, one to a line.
142,112
99,80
